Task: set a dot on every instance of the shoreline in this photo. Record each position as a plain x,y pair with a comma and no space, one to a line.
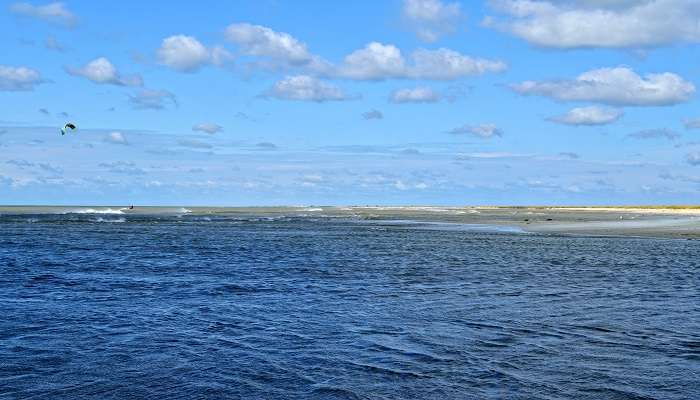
638,221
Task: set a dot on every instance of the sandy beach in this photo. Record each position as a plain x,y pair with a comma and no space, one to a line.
672,221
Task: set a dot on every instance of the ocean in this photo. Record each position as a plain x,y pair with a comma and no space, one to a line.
302,303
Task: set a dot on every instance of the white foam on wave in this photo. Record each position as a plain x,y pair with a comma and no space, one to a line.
183,210
96,211
312,209
109,220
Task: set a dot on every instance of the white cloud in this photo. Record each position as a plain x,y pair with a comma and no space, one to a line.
18,78
219,56
431,18
116,138
207,127
600,23
377,61
152,99
446,64
616,86
415,95
52,12
374,62
306,88
258,40
592,115
484,131
401,185
102,71
187,54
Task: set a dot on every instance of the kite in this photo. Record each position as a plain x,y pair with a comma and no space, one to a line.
70,126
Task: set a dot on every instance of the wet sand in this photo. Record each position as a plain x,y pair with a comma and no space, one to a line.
673,222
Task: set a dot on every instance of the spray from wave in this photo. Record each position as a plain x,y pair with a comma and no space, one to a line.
96,211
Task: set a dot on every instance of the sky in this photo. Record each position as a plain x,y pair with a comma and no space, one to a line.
398,102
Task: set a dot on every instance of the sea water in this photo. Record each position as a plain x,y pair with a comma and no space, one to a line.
180,305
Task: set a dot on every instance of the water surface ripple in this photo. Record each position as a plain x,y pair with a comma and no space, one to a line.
185,307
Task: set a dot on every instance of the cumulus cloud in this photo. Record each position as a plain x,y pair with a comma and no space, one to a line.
599,23
592,115
306,88
374,62
693,158
692,123
484,131
615,86
258,40
431,19
415,95
147,99
52,12
655,134
116,138
102,71
372,114
207,127
377,61
446,64
18,78
183,53
187,54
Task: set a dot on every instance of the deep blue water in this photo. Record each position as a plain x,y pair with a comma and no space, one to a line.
328,308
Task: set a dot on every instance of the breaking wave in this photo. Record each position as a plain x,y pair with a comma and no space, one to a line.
95,211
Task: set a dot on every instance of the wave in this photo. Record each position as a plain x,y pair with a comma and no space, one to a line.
95,211
108,220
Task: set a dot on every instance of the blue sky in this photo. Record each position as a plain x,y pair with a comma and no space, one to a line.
314,102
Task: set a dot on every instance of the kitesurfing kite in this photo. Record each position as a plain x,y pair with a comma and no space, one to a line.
70,126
